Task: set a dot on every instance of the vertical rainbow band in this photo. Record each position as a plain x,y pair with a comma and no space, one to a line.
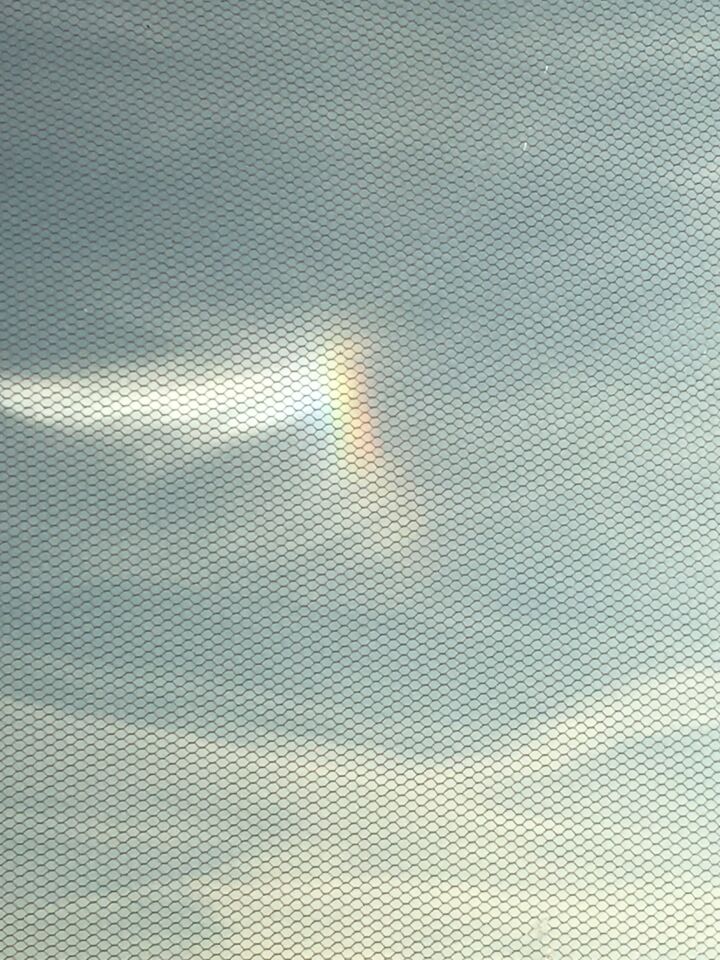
352,420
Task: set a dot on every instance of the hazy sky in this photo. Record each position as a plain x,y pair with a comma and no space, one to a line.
237,673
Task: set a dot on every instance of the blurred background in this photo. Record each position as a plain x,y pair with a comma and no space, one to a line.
265,698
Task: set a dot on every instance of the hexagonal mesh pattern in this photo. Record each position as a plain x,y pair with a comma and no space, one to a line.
360,537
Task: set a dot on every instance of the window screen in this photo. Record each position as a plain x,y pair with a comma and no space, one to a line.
359,443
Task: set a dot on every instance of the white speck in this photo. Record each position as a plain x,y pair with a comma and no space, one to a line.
524,146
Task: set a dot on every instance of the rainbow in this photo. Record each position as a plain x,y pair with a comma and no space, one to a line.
354,426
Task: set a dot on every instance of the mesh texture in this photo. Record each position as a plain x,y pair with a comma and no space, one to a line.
359,505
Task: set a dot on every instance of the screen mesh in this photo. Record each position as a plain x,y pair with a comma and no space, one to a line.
359,429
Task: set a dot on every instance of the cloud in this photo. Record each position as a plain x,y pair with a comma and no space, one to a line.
351,851
207,408
168,412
